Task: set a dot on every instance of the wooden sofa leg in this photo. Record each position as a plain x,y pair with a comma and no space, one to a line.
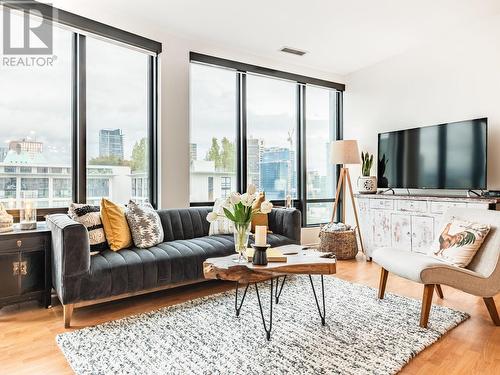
382,283
68,311
492,309
426,304
439,291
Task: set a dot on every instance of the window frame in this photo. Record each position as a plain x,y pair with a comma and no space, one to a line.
241,132
80,27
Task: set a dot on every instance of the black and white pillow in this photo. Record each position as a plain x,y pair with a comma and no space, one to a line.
90,217
145,225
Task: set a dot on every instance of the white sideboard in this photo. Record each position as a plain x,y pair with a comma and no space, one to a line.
409,223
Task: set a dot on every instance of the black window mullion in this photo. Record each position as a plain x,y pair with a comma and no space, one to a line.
152,130
80,120
339,134
242,132
302,160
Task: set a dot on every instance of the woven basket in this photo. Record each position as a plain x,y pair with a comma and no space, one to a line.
343,243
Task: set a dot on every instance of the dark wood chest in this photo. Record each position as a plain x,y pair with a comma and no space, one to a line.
25,266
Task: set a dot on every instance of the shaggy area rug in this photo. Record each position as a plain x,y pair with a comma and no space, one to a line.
363,335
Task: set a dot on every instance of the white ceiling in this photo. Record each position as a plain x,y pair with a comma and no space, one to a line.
340,36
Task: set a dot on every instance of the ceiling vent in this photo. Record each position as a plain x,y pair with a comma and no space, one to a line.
293,51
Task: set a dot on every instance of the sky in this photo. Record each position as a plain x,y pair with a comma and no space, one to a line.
36,102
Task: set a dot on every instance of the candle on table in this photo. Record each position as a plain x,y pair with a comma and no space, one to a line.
260,235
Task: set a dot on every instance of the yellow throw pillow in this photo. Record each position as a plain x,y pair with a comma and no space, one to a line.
115,225
259,219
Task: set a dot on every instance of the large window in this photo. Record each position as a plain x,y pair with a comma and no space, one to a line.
35,118
82,126
271,136
213,125
321,125
117,120
278,128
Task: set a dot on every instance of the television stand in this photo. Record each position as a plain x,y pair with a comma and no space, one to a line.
470,191
387,190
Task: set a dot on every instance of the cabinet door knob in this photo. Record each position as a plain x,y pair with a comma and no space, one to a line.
19,243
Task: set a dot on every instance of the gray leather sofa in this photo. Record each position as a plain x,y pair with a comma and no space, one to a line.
80,279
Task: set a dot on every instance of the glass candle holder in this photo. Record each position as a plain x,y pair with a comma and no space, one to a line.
27,213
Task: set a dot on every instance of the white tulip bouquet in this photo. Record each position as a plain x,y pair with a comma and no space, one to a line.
239,209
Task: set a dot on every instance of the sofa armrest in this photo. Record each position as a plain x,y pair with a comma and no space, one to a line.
70,252
287,222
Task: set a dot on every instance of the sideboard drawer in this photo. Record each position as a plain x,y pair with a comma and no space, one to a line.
26,243
411,205
382,204
442,207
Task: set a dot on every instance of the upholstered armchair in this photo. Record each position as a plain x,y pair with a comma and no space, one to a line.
480,278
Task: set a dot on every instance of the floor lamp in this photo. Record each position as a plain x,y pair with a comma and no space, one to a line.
345,152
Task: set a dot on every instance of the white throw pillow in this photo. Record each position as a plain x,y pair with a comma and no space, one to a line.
459,241
222,225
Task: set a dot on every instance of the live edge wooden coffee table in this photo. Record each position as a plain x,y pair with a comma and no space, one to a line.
299,262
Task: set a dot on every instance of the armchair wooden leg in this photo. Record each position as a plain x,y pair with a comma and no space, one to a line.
492,309
439,291
426,305
382,283
68,311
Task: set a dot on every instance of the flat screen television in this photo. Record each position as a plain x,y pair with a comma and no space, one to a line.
445,156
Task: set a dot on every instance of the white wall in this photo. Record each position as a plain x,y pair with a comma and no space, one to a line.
454,77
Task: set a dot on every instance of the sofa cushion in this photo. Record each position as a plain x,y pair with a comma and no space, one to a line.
129,270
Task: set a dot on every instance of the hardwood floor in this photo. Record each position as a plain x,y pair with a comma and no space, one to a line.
27,344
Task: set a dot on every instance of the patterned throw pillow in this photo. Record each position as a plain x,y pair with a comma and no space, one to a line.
222,225
145,225
459,241
90,217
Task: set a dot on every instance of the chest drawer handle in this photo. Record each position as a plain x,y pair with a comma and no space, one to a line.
15,268
19,243
23,268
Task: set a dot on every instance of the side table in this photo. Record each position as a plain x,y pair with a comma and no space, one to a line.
25,266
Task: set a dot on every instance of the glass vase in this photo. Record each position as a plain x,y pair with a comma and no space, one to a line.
241,234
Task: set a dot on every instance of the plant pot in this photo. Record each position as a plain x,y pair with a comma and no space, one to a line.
367,184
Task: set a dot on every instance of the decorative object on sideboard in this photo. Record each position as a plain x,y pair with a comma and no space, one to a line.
345,152
367,184
6,220
27,213
239,209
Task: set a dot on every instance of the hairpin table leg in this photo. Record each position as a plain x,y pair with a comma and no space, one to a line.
322,314
236,305
277,293
268,330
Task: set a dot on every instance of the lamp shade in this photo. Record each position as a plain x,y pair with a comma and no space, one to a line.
345,152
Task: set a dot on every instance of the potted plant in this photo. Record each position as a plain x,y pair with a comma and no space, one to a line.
367,184
239,209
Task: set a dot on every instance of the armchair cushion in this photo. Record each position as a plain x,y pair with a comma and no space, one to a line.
405,263
425,269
